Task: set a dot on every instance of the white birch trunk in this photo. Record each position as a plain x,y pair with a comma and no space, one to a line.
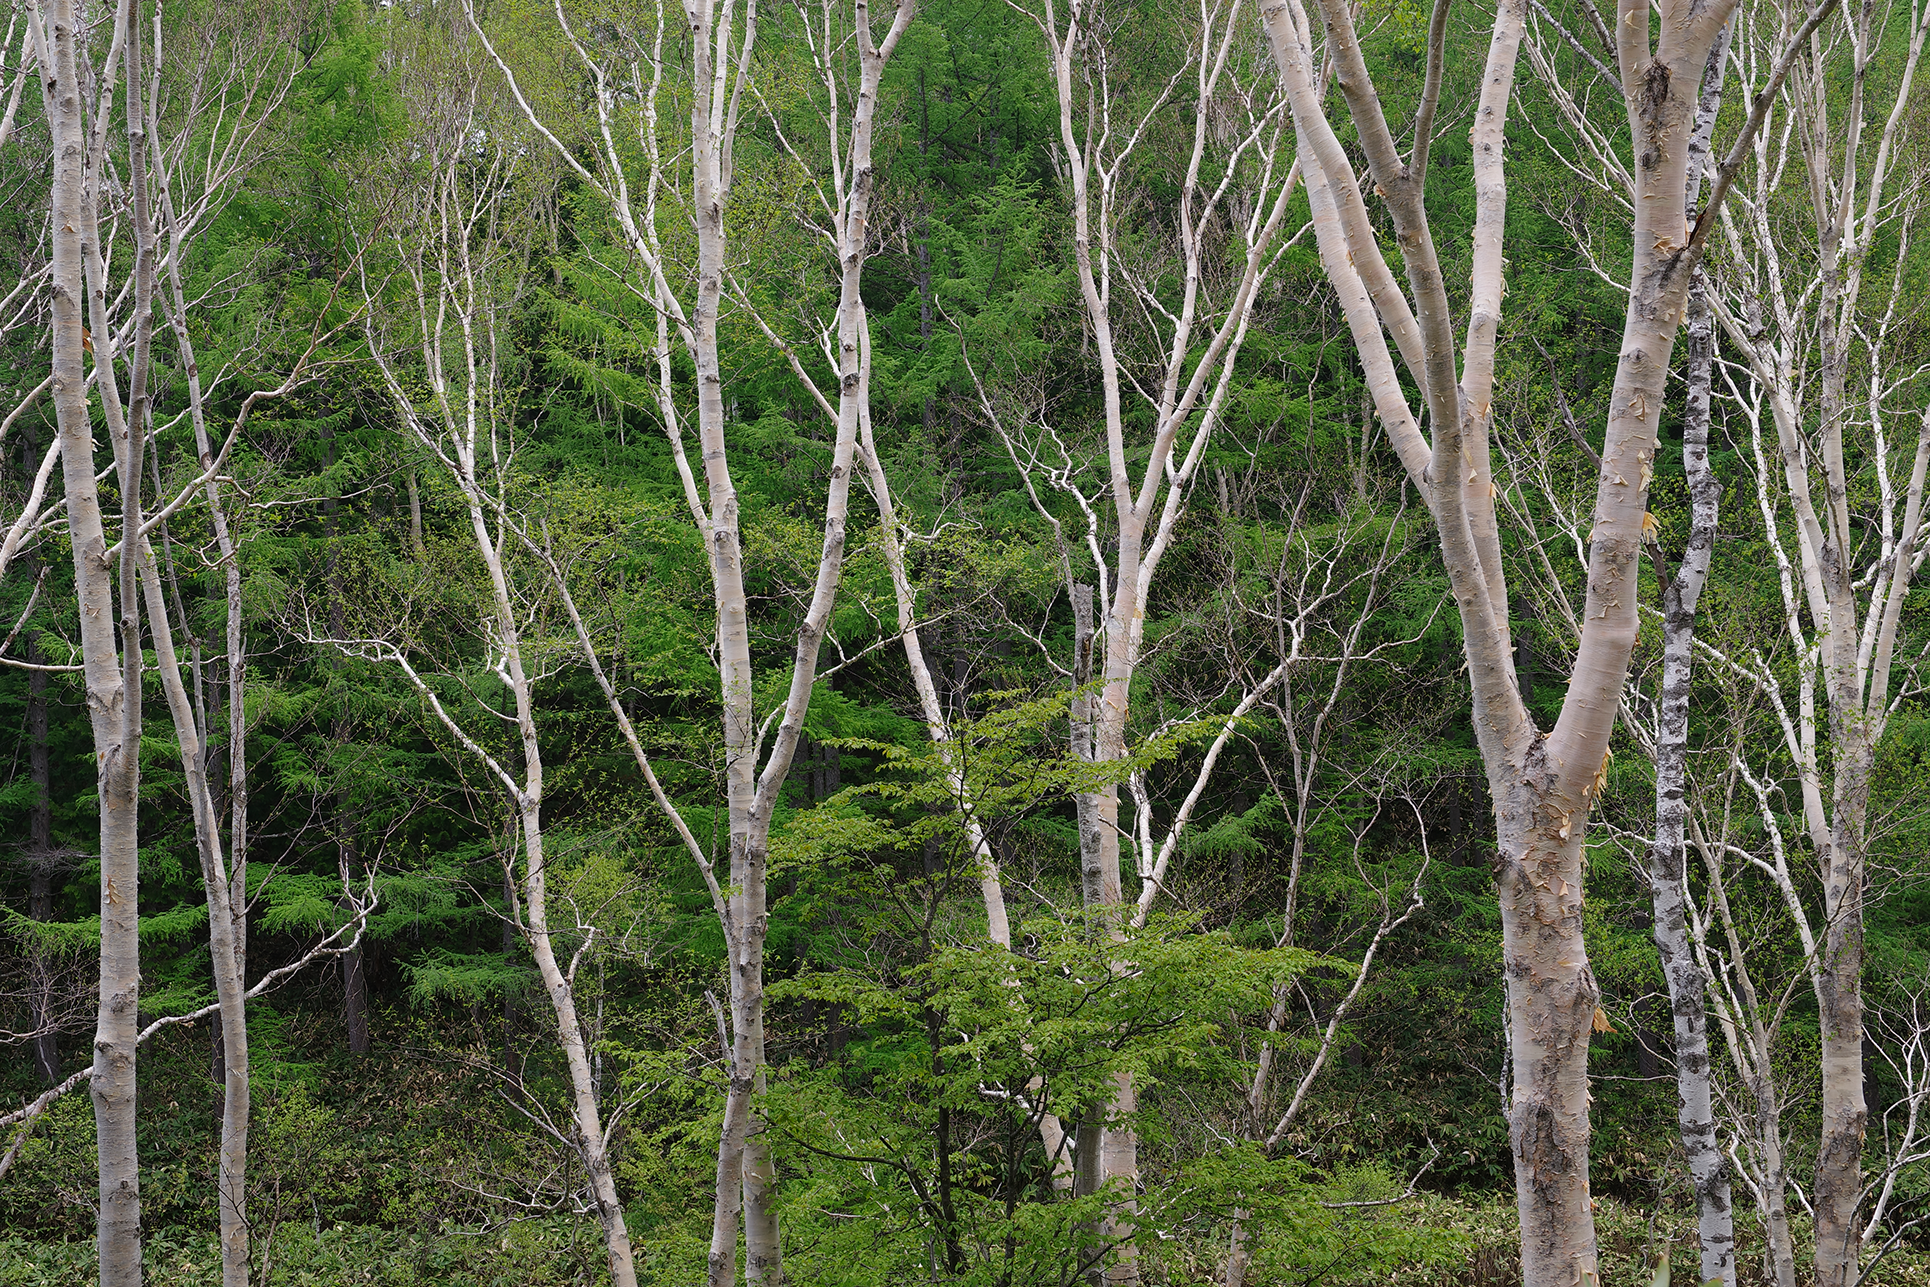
230,986
1668,868
1668,857
452,268
112,665
1848,168
719,70
1200,343
1542,785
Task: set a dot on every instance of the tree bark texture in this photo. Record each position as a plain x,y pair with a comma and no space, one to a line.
1542,785
111,664
1668,857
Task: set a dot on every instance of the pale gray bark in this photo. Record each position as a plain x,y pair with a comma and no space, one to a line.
1856,725
719,73
1542,785
850,194
938,726
1668,875
112,664
1668,865
453,259
1797,338
230,986
224,874
1193,353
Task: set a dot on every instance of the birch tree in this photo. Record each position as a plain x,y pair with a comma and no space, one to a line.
1668,869
1843,592
230,83
630,68
206,142
1666,737
1168,298
1542,784
110,631
1822,187
460,238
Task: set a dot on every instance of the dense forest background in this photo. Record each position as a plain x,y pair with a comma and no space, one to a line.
1314,1021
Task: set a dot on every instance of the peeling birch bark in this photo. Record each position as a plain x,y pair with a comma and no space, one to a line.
1668,865
1543,784
1668,873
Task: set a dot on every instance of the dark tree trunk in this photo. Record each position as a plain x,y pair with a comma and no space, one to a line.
355,989
509,956
1648,1041
40,835
40,889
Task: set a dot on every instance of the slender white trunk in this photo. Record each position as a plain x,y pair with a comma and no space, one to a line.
230,986
592,1142
459,285
1542,785
111,664
720,68
998,925
225,879
1668,874
1668,857
1200,341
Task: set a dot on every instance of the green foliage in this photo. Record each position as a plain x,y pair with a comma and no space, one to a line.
911,1060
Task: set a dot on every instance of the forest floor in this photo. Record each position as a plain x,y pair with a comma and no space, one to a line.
546,1254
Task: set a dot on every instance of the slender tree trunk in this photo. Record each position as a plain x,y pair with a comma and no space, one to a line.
1839,1159
1855,724
1082,718
1668,858
111,666
593,1142
217,1045
748,856
40,878
1779,1245
138,563
1207,329
229,757
1668,866
355,982
1542,786
229,985
591,1139
719,64
998,925
1099,833
1088,1151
